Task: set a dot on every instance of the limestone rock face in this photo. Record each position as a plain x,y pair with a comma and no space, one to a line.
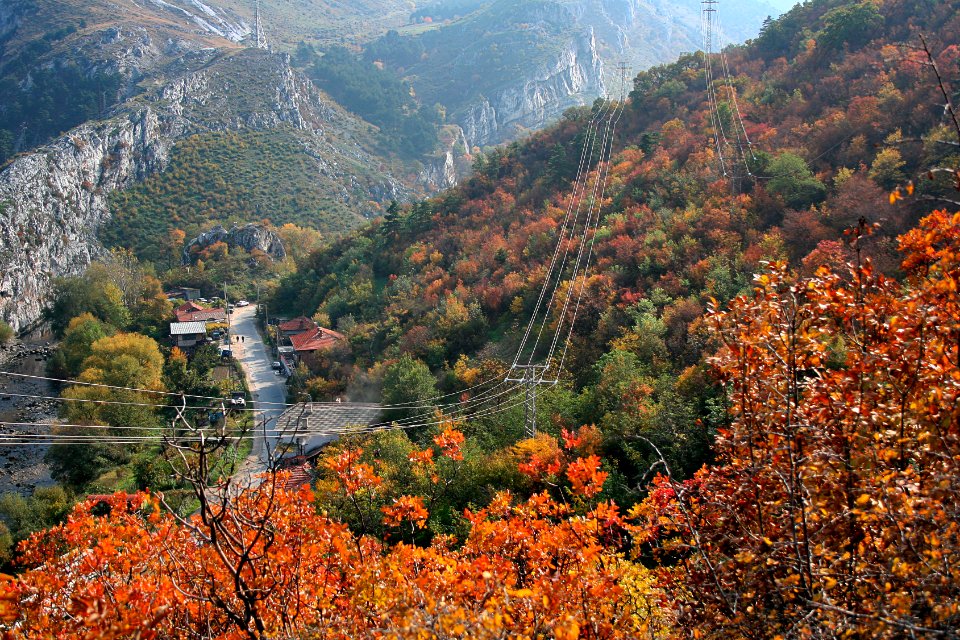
53,200
440,174
575,76
247,237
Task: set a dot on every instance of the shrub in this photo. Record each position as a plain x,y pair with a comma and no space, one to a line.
6,332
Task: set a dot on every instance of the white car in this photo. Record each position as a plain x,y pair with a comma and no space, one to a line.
242,303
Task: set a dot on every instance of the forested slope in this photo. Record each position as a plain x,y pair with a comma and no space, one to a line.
755,431
833,106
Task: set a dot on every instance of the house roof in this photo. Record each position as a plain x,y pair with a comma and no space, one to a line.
302,323
187,328
299,476
314,340
204,315
189,307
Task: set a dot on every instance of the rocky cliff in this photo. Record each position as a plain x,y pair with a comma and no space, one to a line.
249,237
574,77
54,199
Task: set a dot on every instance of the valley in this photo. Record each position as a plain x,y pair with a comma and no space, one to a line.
473,318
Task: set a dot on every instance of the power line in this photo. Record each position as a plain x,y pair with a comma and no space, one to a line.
593,239
578,185
400,405
52,439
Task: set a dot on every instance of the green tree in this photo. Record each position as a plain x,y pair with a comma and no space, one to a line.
793,181
6,544
122,360
854,25
6,332
408,381
46,507
77,343
151,471
92,293
887,169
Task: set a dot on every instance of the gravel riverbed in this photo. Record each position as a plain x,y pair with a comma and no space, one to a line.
21,466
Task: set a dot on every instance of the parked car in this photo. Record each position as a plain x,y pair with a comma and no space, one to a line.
202,300
237,399
226,353
242,303
275,365
216,334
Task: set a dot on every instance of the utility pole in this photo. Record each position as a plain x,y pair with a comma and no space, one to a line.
531,377
709,8
623,69
226,306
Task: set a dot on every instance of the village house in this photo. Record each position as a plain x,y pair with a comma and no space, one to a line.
188,335
296,326
308,338
192,312
183,293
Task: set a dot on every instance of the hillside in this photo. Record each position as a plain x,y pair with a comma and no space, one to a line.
107,46
461,274
56,200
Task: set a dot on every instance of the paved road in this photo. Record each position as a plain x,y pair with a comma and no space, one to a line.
268,388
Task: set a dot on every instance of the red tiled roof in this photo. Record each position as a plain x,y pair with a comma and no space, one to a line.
189,307
299,476
314,340
301,324
203,315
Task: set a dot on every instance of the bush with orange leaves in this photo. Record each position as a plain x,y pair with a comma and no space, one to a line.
533,568
834,507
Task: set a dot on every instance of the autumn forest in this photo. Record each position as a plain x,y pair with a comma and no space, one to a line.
754,431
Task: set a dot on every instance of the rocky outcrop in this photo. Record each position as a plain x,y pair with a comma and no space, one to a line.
53,200
249,237
210,19
439,173
574,78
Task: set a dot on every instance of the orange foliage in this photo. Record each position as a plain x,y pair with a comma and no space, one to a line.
350,473
832,509
532,569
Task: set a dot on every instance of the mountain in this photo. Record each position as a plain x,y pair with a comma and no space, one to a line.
120,113
125,120
59,199
505,67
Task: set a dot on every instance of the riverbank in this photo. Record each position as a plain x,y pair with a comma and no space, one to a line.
22,467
